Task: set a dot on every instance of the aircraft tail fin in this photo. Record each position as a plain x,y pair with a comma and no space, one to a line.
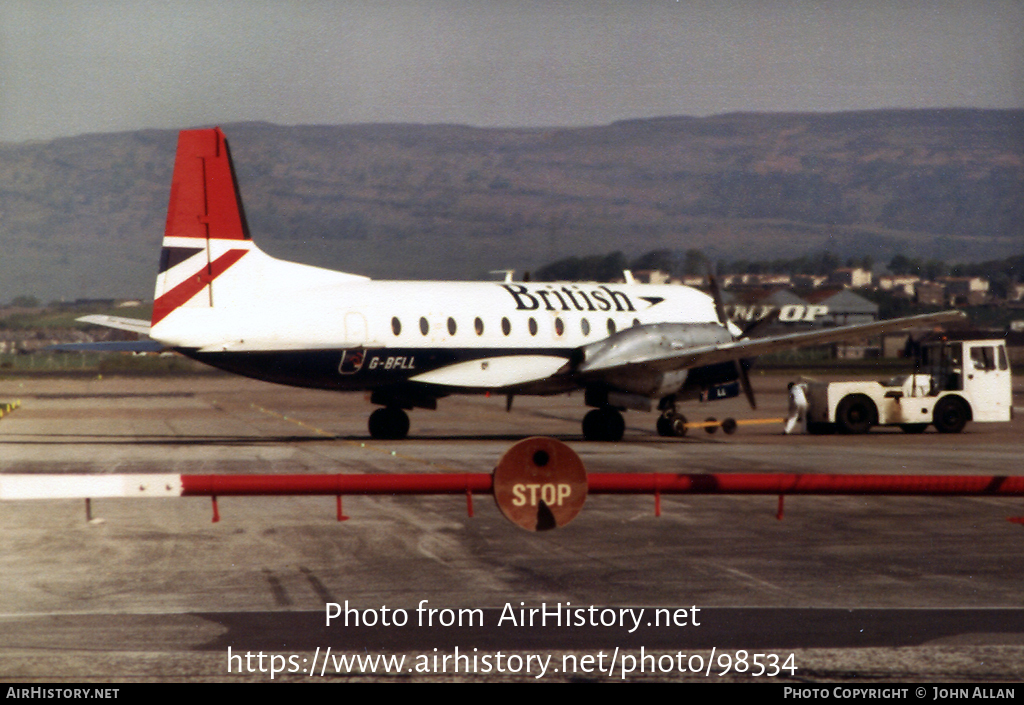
208,260
204,190
206,231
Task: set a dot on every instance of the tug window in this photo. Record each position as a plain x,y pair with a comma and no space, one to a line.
479,325
451,326
424,326
984,359
396,326
506,327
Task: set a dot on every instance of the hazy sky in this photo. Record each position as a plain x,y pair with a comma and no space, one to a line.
68,68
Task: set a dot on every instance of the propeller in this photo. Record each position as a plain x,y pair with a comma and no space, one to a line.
741,371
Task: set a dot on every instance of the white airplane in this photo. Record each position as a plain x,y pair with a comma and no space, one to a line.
221,300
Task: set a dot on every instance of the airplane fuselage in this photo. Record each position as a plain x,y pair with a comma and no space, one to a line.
446,336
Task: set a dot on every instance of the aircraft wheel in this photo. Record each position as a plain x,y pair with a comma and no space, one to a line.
913,427
389,423
855,414
671,424
711,429
729,426
951,415
604,424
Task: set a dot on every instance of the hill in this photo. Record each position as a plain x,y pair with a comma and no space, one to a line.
83,216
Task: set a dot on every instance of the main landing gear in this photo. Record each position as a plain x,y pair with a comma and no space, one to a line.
603,424
389,423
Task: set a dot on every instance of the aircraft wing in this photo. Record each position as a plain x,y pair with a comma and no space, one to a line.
665,360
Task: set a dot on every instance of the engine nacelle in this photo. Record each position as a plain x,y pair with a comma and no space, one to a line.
622,351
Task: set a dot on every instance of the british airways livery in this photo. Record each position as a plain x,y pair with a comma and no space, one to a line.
221,300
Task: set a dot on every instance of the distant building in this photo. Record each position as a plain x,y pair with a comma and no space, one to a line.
773,279
931,294
844,307
750,305
850,278
905,284
969,291
809,281
756,280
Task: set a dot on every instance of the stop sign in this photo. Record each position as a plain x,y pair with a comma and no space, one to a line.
540,484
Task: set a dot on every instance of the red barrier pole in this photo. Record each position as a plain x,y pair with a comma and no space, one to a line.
782,483
609,483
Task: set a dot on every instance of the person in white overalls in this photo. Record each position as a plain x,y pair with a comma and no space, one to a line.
797,408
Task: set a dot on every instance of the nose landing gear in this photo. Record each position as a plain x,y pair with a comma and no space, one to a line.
671,423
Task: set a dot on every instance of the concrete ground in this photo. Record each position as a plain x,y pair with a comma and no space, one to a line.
861,589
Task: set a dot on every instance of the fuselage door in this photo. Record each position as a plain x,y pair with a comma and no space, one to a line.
355,330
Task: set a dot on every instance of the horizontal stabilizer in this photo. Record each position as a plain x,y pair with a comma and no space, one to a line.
135,325
109,346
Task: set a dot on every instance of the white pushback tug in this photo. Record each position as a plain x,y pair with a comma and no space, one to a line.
954,382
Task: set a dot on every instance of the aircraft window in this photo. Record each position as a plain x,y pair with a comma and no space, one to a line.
636,321
559,327
611,326
451,326
479,325
424,326
533,327
506,327
396,326
585,326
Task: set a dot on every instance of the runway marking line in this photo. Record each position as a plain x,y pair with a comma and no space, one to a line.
358,444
